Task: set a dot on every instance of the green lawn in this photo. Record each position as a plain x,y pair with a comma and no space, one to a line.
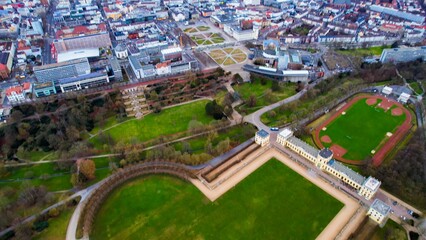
258,89
364,52
168,121
362,129
32,155
271,203
416,87
390,229
55,180
57,226
236,134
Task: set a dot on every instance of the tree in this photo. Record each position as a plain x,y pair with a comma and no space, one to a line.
237,78
251,101
16,116
275,86
186,147
228,111
214,109
87,168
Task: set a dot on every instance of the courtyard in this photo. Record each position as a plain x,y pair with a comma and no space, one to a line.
227,56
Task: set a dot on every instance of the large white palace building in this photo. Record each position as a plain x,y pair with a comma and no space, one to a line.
323,159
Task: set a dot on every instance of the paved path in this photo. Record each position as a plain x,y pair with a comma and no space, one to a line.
254,118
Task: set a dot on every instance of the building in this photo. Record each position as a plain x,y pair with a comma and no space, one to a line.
296,75
405,54
379,212
44,89
121,51
141,71
396,13
404,97
239,34
163,68
172,54
262,137
387,90
369,187
7,53
323,159
116,69
54,72
251,2
18,93
80,47
90,80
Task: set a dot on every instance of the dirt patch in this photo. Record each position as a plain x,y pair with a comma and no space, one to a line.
397,111
386,104
325,139
371,101
338,150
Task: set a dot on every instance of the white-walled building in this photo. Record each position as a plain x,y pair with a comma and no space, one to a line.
379,212
322,159
262,137
18,93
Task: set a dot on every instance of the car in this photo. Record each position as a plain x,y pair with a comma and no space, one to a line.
394,203
410,212
274,129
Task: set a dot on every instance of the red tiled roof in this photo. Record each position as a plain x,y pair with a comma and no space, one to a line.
161,65
17,89
27,86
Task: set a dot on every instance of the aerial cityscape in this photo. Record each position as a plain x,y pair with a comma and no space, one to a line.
236,119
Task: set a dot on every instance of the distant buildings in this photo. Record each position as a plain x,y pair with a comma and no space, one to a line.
404,54
80,47
7,53
18,93
54,72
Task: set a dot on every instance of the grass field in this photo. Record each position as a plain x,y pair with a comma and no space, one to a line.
257,89
416,87
266,205
57,226
47,175
364,52
361,129
32,155
168,121
203,28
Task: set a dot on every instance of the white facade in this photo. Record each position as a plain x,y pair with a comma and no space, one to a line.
323,160
387,90
75,54
241,35
252,2
262,138
379,212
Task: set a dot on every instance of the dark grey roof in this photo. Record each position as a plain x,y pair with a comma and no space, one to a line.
308,148
325,153
4,56
381,207
82,77
262,133
351,174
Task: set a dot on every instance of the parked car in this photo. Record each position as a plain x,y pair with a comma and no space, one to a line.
274,129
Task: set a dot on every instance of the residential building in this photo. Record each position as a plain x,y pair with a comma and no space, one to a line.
379,212
56,71
44,89
18,93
